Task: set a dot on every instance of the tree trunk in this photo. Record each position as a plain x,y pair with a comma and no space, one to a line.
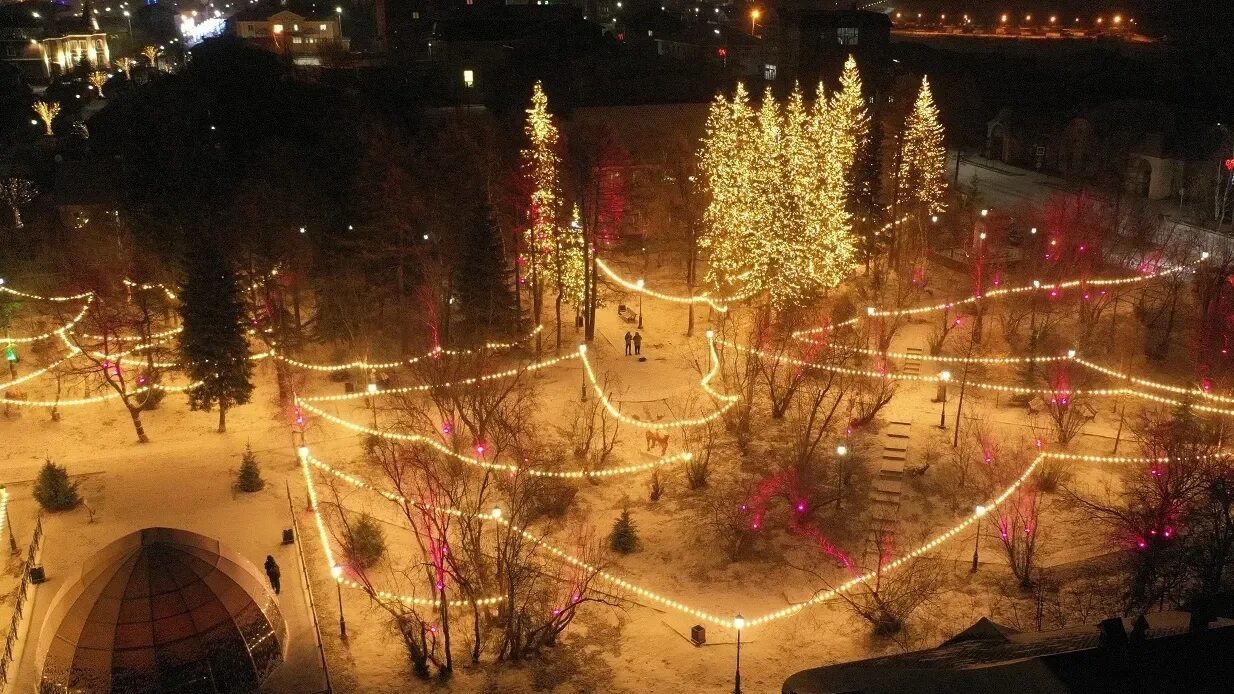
135,413
17,223
557,309
222,419
691,263
445,631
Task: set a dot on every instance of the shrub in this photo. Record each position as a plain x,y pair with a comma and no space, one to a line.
624,538
366,542
555,497
250,472
53,490
656,485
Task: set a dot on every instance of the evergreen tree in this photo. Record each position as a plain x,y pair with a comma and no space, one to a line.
864,207
922,167
213,343
53,490
624,538
250,472
365,543
852,121
540,163
487,305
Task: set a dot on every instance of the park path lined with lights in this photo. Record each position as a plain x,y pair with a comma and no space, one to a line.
307,461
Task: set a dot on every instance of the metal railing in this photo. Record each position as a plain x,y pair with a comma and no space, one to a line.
308,588
23,593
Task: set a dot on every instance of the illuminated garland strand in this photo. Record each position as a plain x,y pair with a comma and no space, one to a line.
1016,390
147,287
727,400
642,289
791,610
72,402
25,295
480,462
410,360
52,333
424,387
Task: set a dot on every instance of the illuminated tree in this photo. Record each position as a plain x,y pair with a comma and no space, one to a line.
213,343
540,163
16,192
98,78
47,112
852,121
727,161
775,223
922,179
151,54
568,265
126,65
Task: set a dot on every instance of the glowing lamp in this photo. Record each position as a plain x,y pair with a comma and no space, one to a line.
739,622
980,510
336,571
640,283
372,388
496,513
1071,354
841,450
710,333
302,451
1033,230
944,376
1036,284
870,310
981,236
1203,256
984,212
469,78
934,219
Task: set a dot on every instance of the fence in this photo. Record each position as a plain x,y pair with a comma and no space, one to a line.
308,588
23,593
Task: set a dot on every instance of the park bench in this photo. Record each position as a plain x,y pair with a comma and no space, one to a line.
626,314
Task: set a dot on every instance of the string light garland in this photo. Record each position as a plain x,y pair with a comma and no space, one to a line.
642,289
488,465
52,333
727,400
423,387
436,351
646,594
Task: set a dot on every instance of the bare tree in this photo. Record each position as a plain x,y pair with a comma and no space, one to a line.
887,598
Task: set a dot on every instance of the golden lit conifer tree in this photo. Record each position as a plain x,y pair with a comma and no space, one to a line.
540,164
852,120
922,179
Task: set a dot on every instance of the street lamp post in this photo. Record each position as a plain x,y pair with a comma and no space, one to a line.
582,351
943,378
337,572
980,511
841,454
641,284
754,15
129,19
738,622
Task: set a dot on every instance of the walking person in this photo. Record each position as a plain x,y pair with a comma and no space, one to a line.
272,571
628,339
638,342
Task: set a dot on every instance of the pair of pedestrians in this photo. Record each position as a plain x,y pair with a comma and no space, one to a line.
637,340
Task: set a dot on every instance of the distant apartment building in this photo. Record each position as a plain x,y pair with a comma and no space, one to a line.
303,34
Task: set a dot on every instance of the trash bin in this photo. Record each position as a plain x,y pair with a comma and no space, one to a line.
289,536
698,635
37,575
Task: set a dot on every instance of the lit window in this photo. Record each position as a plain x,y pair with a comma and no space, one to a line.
278,28
322,27
295,27
847,36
